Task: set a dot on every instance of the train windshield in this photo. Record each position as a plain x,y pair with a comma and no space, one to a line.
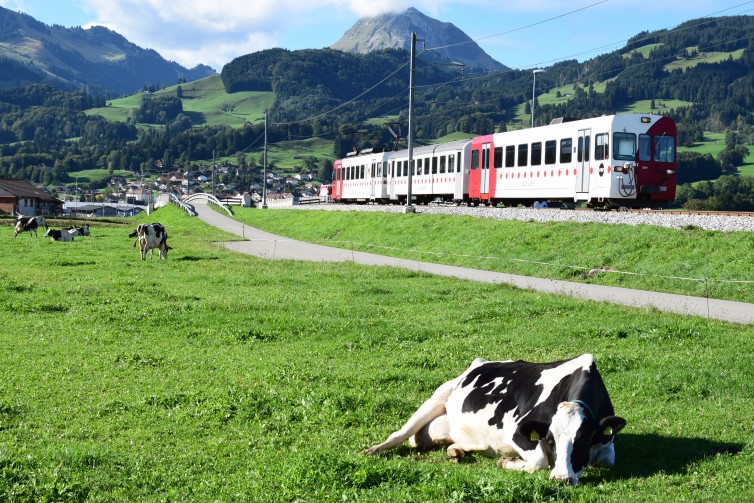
664,148
624,146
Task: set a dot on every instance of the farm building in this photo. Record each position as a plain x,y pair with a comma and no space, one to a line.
20,196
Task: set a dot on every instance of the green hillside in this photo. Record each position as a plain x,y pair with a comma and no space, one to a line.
204,101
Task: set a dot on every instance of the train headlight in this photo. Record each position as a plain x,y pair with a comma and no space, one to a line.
670,172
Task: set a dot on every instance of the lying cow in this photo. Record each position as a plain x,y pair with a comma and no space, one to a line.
65,235
30,224
533,415
80,231
151,236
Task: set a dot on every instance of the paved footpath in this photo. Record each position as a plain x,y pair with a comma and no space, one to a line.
270,246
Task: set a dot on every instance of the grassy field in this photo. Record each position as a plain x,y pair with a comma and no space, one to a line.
219,377
689,261
204,101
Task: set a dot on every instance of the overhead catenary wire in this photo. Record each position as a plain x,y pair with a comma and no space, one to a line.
476,103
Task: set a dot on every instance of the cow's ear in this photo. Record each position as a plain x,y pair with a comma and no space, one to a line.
611,425
534,431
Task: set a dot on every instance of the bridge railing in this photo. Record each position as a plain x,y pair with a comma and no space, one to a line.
204,198
184,205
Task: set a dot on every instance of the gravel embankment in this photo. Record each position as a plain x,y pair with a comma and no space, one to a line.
656,218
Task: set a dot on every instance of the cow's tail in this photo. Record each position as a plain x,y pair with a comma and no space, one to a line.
429,410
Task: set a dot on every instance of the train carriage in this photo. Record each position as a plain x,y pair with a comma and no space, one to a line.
361,177
610,161
440,173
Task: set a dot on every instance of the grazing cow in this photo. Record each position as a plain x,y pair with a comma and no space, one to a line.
29,224
64,235
533,415
151,236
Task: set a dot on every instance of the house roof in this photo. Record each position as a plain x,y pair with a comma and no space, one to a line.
22,188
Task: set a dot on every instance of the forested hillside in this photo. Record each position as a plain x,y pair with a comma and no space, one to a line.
704,69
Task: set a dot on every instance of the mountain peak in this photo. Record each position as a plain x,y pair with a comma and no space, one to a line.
393,31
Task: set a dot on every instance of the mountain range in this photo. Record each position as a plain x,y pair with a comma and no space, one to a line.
97,58
106,63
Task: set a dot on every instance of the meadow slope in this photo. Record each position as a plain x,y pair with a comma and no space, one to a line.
214,376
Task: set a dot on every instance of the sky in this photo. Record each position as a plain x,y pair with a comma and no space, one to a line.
521,34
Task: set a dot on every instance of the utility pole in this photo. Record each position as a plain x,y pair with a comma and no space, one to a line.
533,90
409,207
264,167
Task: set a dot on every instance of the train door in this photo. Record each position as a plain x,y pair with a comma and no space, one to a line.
583,159
392,181
337,182
485,172
372,179
479,178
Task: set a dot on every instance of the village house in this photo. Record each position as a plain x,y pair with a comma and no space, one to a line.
20,196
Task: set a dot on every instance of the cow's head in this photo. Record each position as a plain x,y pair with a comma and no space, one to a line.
574,439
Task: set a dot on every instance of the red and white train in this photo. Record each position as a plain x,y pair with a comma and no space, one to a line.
626,160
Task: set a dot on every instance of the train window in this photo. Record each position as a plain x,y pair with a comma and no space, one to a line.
419,163
601,147
624,146
474,159
362,172
645,147
374,170
536,153
510,156
434,165
451,163
583,150
523,154
587,147
405,168
498,160
551,151
566,144
443,160
664,149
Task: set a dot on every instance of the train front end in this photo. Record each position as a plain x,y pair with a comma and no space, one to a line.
644,161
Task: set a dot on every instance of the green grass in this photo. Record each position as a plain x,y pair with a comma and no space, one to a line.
643,50
644,257
95,175
204,101
702,57
214,376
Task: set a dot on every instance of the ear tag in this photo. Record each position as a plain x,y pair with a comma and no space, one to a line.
608,431
534,437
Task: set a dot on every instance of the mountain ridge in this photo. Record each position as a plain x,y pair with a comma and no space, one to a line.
98,58
392,31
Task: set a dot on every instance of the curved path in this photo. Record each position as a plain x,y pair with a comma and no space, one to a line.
270,246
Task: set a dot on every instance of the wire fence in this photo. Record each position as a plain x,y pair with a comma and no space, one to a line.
589,271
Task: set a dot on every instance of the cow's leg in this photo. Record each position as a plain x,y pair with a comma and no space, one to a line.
432,434
429,410
534,460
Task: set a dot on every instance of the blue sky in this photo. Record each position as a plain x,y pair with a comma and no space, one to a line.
522,34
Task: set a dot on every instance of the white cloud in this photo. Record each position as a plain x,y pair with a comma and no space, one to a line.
215,31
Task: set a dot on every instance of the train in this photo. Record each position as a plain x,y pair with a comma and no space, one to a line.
609,162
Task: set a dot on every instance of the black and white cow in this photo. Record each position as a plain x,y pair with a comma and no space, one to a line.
80,231
533,415
65,235
151,236
29,224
